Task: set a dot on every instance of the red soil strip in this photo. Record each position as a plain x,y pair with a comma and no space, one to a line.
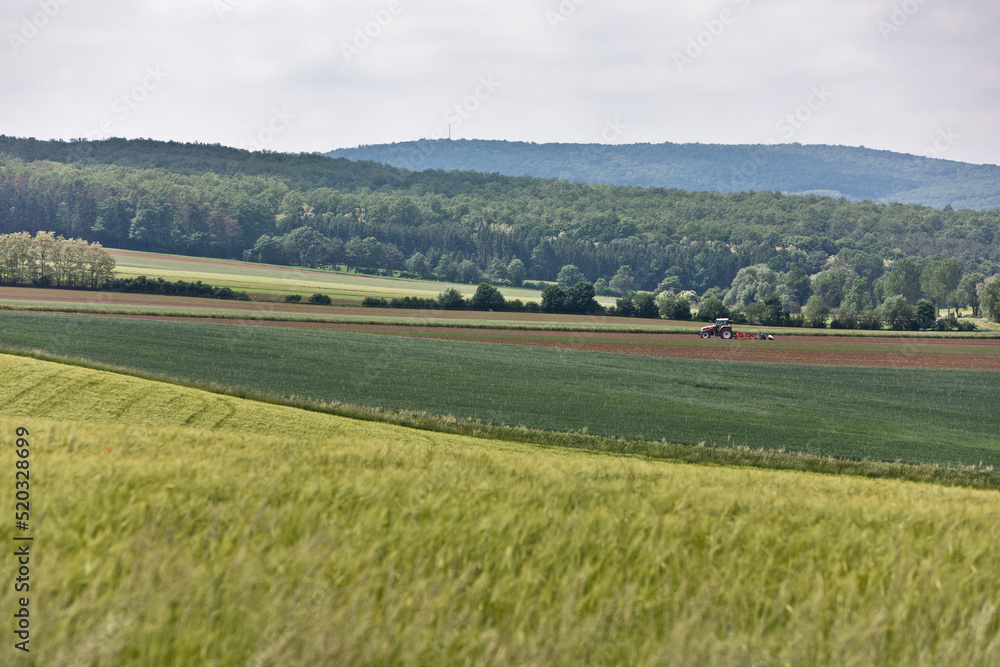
983,354
99,298
110,299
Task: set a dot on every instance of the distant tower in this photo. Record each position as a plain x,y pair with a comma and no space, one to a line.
449,131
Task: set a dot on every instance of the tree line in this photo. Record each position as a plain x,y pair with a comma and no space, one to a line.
47,260
309,210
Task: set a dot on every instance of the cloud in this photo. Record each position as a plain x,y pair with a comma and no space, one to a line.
367,71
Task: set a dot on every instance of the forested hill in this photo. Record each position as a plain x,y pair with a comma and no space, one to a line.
836,171
303,171
309,210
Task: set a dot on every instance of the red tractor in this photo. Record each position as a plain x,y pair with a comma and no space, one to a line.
722,328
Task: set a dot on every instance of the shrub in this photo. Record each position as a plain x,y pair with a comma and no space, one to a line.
488,297
711,309
293,298
553,299
846,318
320,299
927,314
375,302
645,306
414,302
451,299
816,312
869,320
580,299
624,307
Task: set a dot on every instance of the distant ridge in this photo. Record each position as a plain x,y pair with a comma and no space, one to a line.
835,171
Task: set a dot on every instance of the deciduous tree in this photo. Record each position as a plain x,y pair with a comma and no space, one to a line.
488,297
816,311
569,275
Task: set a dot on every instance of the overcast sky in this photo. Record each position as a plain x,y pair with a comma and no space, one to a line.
914,76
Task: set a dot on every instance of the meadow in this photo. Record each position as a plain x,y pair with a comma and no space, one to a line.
172,530
889,414
282,280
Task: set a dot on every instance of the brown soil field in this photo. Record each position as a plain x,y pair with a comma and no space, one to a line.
911,352
265,305
153,300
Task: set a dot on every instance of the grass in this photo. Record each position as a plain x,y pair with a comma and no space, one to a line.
171,532
280,280
915,416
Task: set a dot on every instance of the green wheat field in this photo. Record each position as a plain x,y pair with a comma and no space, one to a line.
182,527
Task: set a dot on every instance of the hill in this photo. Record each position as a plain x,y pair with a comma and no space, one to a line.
459,226
835,171
174,531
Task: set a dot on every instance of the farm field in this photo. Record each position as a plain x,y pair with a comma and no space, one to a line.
166,521
882,351
884,413
281,280
86,301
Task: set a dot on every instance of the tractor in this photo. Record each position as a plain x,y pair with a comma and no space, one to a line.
722,328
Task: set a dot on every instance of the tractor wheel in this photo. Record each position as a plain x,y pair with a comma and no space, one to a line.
727,334
706,335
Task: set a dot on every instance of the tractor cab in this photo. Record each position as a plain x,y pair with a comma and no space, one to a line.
722,328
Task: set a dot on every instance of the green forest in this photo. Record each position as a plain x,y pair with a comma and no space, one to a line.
857,173
311,210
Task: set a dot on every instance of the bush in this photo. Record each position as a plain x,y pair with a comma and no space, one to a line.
601,287
898,314
293,298
711,309
580,299
142,285
553,299
927,314
682,310
952,323
816,311
451,299
488,297
319,299
645,306
624,307
375,302
869,320
415,303
846,318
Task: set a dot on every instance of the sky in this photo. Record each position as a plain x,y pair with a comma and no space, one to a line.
913,76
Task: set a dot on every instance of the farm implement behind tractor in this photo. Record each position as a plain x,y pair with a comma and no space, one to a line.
723,329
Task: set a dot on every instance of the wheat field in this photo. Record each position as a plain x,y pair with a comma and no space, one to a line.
177,527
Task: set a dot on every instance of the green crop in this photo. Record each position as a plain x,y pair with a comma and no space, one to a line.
169,532
889,414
